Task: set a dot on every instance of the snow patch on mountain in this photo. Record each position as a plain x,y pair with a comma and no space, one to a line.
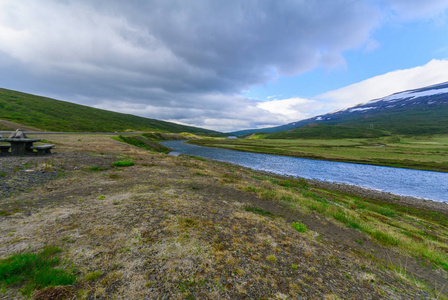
411,95
362,108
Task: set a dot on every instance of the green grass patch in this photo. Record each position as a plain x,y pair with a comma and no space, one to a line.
383,237
258,211
347,219
97,169
300,227
34,270
123,163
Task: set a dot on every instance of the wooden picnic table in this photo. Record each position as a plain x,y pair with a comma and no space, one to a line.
20,146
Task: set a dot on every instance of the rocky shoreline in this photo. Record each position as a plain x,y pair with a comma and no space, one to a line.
384,196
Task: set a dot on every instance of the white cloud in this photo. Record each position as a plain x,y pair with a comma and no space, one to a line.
380,86
188,61
292,109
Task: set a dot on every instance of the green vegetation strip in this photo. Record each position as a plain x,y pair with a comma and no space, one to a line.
258,211
123,163
144,143
34,270
417,232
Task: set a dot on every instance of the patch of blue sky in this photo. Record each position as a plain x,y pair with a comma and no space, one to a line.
395,47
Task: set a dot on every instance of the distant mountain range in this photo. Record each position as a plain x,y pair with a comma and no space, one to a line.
416,112
37,113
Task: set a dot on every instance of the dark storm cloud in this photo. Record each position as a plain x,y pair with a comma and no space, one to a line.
178,60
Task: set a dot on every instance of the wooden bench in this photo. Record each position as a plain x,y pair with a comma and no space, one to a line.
43,149
4,148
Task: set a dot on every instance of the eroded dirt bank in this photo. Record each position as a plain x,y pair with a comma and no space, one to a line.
176,227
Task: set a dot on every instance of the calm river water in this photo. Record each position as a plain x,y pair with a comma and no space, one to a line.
415,183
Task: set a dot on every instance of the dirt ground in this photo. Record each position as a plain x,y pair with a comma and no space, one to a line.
176,228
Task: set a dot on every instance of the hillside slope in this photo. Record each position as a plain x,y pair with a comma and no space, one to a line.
55,115
415,112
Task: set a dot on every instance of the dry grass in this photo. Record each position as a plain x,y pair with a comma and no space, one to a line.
148,233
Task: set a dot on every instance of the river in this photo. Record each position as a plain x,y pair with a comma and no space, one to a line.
415,183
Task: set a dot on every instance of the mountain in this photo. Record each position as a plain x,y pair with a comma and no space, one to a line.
419,111
43,113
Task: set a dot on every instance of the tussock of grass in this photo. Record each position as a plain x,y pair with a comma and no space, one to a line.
92,276
34,270
272,258
123,163
300,227
186,223
258,211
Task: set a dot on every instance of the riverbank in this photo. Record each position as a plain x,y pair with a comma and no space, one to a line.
383,196
184,227
423,153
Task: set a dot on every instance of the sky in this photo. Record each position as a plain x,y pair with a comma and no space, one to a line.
222,65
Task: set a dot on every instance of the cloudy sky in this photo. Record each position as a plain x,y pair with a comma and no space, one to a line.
222,65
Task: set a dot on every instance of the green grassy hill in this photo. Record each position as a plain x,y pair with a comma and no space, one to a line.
55,115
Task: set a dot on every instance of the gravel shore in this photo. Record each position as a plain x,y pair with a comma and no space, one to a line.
373,194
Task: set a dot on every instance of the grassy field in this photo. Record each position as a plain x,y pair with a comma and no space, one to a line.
423,152
125,222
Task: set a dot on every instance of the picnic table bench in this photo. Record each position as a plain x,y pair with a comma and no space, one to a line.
23,146
43,149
